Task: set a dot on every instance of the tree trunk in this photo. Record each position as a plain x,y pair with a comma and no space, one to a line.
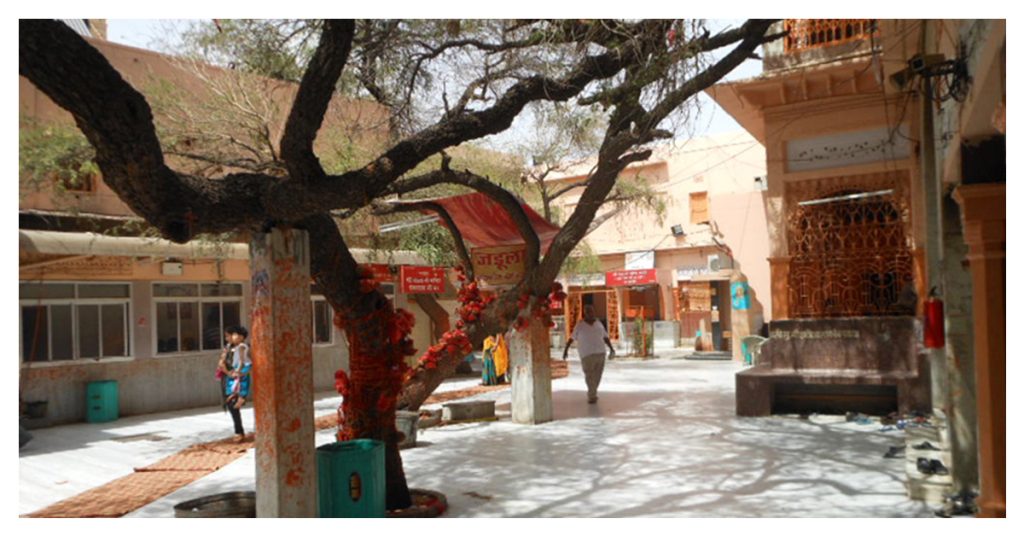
365,415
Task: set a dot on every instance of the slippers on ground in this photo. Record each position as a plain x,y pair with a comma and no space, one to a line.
895,452
924,445
931,467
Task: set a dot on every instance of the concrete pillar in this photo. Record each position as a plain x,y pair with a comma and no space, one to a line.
963,416
984,215
933,244
530,364
283,375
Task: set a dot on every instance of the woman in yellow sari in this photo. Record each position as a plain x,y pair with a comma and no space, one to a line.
501,358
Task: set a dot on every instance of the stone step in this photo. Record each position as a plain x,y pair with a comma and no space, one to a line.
931,489
465,411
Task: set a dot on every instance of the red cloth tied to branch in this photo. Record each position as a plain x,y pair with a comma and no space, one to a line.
484,223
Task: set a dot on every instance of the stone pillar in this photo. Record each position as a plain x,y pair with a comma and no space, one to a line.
984,215
283,375
779,267
530,364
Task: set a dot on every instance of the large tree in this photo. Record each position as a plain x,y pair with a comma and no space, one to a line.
638,72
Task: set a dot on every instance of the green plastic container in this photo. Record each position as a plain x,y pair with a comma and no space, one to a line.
101,401
350,479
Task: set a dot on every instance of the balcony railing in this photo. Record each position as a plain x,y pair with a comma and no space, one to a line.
806,34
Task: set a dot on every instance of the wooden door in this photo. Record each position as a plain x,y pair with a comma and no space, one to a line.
613,314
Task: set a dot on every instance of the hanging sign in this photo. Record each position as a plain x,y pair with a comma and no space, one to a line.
640,260
422,279
629,278
499,265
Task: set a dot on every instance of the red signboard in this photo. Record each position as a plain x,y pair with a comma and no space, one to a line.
629,278
381,272
422,280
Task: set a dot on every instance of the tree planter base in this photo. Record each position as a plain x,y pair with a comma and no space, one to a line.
426,503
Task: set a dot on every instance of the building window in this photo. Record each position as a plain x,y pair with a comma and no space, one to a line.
323,317
67,321
192,317
699,207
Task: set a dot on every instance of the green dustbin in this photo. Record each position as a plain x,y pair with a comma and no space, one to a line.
350,478
101,401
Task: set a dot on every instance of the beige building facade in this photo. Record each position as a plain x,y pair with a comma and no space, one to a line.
700,274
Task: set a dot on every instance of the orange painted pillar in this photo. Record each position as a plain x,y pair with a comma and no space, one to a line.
286,484
984,216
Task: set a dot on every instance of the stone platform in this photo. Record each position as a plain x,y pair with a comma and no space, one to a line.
865,364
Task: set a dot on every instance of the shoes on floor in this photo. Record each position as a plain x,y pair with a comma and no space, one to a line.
931,467
895,452
924,445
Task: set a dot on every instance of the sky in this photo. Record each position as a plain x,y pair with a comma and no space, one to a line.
144,33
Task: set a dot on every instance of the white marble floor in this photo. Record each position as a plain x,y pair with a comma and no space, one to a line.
661,441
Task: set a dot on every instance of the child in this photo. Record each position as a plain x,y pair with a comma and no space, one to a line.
239,364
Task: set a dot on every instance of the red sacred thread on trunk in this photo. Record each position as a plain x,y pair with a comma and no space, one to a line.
378,345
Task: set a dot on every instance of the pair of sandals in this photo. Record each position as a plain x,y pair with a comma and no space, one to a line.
931,467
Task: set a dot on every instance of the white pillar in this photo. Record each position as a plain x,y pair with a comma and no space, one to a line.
530,364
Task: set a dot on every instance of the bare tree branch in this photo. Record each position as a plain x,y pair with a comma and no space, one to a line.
311,100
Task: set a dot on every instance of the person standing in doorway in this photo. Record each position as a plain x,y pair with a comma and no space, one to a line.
592,338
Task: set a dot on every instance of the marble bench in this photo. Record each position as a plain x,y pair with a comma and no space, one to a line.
867,364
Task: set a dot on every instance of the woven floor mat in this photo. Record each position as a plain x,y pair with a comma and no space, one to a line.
121,496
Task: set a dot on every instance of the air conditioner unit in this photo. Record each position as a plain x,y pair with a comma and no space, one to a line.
717,262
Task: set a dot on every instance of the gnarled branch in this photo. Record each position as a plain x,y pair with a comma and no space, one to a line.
313,97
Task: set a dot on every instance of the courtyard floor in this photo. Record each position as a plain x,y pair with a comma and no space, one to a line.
662,440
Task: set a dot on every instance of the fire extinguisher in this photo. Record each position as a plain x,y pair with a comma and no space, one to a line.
934,322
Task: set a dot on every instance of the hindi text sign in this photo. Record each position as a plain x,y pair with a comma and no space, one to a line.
499,265
628,278
422,279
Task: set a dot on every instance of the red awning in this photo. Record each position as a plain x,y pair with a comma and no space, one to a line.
484,223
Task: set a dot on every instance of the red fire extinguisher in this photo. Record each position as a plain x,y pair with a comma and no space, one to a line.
934,322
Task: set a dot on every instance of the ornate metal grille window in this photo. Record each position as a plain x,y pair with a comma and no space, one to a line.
849,246
812,33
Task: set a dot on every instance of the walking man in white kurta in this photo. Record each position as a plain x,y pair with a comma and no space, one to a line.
589,335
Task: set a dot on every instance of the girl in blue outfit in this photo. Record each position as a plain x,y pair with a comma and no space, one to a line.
236,365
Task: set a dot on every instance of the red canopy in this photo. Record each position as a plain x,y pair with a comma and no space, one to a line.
484,223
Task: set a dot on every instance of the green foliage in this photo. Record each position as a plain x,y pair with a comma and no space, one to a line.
635,196
581,261
431,241
642,334
54,156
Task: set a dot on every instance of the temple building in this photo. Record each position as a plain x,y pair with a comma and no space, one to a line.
885,155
